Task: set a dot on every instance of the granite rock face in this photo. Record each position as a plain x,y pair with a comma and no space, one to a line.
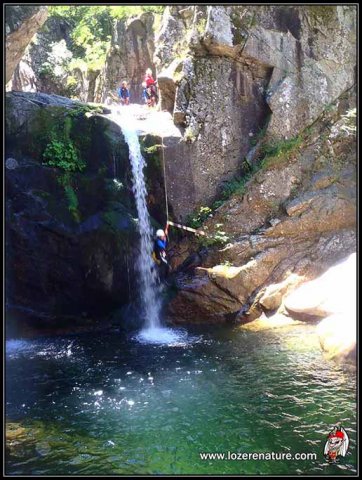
227,73
295,219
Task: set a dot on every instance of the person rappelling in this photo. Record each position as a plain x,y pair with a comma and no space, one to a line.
159,253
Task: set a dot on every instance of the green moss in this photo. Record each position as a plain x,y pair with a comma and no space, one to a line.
73,203
279,152
152,149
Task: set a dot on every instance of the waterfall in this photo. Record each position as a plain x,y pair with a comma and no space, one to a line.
150,292
150,289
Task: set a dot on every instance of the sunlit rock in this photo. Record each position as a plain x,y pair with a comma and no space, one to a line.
333,292
265,323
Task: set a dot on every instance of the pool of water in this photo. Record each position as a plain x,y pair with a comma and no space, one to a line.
112,404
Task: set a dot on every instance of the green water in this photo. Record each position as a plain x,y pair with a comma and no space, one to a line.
106,404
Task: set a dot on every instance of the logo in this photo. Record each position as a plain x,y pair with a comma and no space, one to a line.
336,445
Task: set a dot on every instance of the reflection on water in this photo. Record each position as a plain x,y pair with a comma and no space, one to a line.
110,404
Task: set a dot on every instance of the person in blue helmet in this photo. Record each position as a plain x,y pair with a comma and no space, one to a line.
159,254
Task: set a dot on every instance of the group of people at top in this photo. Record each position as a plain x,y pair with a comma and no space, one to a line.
149,94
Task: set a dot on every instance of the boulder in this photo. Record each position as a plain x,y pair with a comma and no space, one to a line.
331,293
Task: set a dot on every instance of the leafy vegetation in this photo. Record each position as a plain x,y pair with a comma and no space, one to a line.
91,30
195,220
61,154
279,151
273,153
120,12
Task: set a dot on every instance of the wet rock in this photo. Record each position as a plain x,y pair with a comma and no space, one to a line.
58,265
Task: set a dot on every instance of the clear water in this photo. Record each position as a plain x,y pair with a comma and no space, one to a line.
110,404
149,286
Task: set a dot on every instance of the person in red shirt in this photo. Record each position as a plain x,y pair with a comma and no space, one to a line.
149,78
151,84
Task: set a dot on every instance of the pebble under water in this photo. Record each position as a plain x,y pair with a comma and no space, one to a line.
110,404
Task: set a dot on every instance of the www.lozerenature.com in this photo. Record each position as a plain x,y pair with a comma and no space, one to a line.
257,456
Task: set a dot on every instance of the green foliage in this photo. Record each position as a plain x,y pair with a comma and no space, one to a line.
279,151
90,36
126,11
64,179
234,186
84,110
218,239
201,26
195,220
259,135
62,154
152,149
190,135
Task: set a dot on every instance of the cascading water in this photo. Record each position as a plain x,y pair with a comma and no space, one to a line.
150,291
148,277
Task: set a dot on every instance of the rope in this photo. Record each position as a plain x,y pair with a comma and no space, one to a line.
164,177
189,229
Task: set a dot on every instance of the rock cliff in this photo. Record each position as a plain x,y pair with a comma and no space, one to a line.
22,23
228,74
295,218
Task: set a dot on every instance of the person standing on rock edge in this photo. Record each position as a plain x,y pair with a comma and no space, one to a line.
151,85
159,254
123,93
